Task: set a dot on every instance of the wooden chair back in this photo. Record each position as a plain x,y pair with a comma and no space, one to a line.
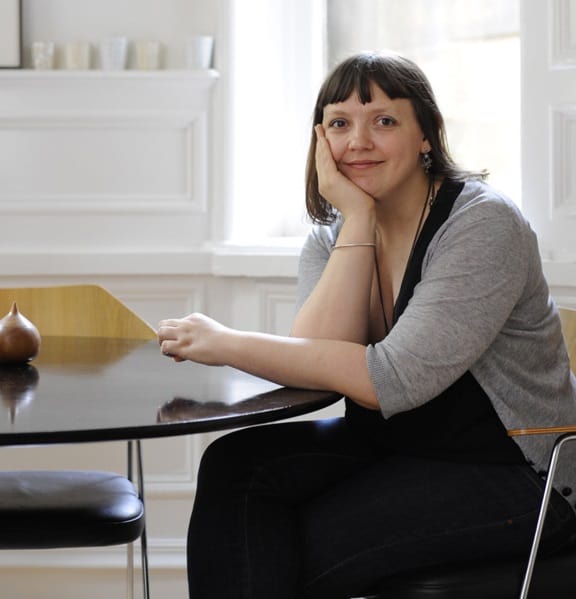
568,319
75,311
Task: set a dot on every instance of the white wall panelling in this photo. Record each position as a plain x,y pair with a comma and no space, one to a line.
107,159
127,162
549,136
277,310
563,32
563,159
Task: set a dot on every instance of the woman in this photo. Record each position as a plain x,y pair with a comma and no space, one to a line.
422,301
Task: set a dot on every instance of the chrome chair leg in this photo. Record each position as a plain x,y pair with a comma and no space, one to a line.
130,571
143,537
543,509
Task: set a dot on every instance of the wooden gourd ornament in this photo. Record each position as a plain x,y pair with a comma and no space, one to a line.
19,338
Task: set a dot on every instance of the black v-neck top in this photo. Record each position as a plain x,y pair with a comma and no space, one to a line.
460,424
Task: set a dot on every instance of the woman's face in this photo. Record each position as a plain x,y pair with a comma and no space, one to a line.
377,145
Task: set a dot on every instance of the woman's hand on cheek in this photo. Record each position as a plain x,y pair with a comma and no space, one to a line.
336,188
195,337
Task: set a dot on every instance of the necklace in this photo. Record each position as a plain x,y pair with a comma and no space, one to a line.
428,202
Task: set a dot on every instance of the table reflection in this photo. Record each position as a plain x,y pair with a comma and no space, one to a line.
281,399
17,385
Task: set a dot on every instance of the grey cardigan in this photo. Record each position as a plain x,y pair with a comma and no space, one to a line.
482,305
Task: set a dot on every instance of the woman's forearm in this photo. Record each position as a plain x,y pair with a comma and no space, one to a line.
293,362
306,363
339,306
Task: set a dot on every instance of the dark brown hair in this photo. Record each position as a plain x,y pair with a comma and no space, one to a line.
397,77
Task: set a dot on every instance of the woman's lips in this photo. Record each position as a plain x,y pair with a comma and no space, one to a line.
363,164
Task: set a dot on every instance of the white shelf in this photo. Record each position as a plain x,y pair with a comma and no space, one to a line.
29,92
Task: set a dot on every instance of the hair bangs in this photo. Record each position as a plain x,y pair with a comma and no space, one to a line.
357,74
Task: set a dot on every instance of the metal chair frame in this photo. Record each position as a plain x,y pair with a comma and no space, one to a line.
137,447
554,458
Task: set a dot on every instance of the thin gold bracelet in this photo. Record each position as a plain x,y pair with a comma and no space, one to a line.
353,245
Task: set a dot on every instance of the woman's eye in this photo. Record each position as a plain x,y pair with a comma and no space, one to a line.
386,121
337,123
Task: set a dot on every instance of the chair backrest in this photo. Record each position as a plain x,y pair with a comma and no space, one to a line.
568,319
75,311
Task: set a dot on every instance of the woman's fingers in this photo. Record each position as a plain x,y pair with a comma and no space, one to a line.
195,337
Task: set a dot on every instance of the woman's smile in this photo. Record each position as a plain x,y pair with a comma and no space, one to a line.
363,164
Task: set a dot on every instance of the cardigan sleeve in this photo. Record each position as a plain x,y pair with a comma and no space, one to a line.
474,274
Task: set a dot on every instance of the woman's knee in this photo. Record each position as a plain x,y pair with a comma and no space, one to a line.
238,451
238,454
269,440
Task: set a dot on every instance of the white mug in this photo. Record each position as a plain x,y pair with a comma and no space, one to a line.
43,55
199,49
77,55
113,53
147,55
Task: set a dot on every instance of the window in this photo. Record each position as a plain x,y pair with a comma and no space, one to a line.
280,52
277,67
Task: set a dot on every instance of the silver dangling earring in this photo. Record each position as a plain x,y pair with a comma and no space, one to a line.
426,161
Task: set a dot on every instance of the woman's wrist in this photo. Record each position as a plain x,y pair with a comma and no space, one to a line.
358,228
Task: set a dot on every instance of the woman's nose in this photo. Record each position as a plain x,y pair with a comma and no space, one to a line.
359,138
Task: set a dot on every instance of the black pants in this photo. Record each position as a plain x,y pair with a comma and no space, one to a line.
305,509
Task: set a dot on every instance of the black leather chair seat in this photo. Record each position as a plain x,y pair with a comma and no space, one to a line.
48,509
554,578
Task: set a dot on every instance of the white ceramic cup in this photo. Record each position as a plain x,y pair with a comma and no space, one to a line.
147,55
199,49
113,53
77,55
43,55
